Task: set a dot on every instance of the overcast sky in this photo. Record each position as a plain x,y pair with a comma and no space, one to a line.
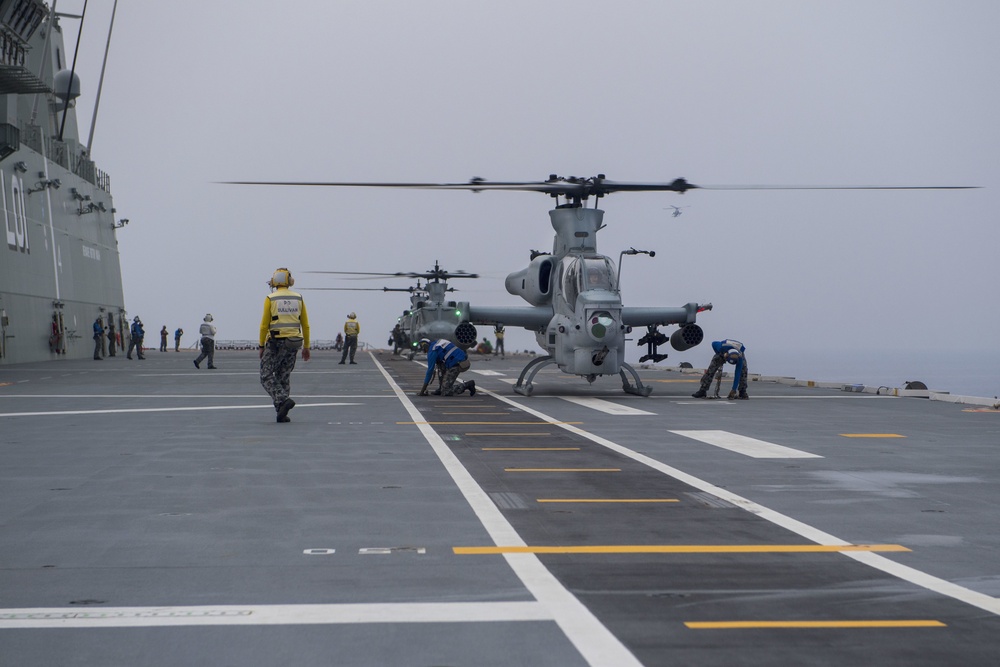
870,93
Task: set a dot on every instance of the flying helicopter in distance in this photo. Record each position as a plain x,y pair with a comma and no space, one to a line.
676,210
575,304
431,314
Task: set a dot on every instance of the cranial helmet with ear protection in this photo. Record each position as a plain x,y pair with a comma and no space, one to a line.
282,278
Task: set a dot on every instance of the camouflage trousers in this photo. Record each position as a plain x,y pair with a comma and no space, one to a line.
449,384
276,370
717,362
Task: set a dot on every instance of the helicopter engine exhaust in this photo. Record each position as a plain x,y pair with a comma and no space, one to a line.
465,334
687,337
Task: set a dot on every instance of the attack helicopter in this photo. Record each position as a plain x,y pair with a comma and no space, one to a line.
575,304
431,314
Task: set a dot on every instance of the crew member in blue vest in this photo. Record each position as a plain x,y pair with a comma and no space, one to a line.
137,333
449,360
98,335
727,351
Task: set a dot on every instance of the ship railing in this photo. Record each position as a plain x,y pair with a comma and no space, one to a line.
60,152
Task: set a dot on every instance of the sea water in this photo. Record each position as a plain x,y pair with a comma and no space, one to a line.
965,373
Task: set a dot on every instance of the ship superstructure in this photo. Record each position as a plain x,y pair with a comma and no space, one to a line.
60,268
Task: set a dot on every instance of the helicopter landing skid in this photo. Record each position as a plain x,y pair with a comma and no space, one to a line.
639,389
524,387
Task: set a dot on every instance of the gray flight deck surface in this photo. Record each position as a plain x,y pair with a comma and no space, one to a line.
155,514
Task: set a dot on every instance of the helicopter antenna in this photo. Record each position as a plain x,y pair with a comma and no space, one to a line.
630,251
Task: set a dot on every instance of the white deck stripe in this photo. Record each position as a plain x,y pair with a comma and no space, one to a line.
877,561
302,614
179,409
596,643
605,406
758,449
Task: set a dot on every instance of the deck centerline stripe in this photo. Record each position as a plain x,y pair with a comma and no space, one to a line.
871,435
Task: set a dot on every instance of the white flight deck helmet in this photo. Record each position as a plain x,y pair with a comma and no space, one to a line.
208,317
352,316
733,356
282,278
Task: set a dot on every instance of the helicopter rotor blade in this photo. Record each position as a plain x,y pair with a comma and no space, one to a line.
347,289
426,275
839,187
598,186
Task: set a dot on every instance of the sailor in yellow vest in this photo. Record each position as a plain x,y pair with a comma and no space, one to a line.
284,328
351,331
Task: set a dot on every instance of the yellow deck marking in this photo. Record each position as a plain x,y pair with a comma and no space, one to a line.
738,625
562,469
483,423
539,434
607,500
531,449
872,435
681,549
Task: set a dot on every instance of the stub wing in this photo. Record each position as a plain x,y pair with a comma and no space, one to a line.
534,318
644,317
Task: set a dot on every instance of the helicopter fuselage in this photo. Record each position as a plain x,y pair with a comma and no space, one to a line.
576,307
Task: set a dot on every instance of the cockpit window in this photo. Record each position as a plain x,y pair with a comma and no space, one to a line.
571,282
599,274
581,274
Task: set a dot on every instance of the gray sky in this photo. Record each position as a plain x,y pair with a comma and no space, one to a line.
873,93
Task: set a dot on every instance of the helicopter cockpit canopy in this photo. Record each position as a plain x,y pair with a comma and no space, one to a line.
581,274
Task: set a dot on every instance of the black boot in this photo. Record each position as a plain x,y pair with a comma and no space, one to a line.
283,409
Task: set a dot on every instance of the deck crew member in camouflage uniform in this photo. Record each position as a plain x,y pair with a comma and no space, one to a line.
499,331
449,360
733,352
284,328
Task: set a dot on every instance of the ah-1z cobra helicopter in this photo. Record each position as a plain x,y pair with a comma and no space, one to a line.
430,315
575,306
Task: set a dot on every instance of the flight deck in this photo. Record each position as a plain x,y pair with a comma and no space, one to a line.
153,513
